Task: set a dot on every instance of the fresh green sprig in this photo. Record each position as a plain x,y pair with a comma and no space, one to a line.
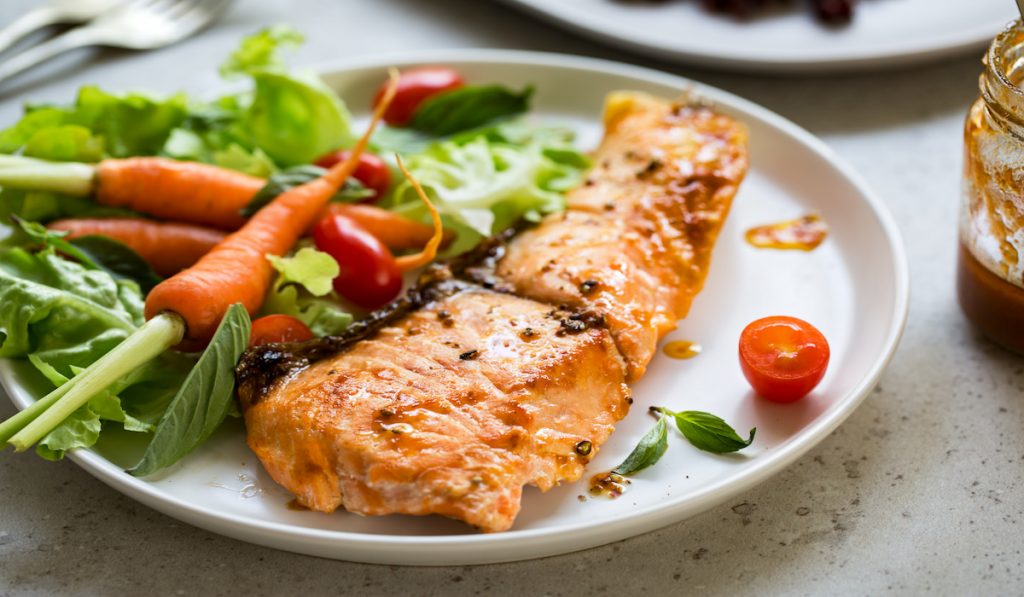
704,431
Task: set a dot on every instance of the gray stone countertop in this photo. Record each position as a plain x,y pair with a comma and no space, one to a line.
918,491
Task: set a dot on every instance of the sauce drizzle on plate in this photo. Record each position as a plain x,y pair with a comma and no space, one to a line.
682,349
804,234
610,485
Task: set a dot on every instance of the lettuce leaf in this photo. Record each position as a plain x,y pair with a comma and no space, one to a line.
293,118
303,290
63,316
487,180
97,125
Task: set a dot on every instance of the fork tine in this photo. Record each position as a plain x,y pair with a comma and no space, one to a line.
202,13
182,7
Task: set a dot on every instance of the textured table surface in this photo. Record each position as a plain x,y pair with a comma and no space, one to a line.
920,490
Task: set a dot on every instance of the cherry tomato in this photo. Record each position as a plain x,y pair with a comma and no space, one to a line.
414,86
369,275
783,358
371,171
278,328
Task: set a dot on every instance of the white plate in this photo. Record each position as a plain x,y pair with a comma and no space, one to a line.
854,287
883,32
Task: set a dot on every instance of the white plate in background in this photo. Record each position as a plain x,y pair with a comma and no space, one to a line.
883,33
854,288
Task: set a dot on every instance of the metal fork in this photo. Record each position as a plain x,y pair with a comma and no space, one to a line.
136,25
55,12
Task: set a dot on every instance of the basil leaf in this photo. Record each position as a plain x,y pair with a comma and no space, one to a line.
710,433
118,259
648,451
469,107
282,181
203,401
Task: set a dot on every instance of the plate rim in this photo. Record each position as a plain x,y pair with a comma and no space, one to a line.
534,543
890,55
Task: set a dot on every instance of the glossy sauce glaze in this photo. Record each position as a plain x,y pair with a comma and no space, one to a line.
803,234
682,349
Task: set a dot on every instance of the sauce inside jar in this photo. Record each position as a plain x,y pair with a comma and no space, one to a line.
994,305
803,234
682,349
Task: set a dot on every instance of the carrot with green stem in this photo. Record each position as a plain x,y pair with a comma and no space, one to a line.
190,305
161,187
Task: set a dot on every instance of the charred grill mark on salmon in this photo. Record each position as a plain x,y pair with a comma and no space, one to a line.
509,366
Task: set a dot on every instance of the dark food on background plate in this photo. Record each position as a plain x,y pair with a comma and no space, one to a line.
829,11
482,381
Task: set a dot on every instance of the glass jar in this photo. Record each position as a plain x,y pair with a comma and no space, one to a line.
990,277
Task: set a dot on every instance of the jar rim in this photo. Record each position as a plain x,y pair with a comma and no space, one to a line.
1004,96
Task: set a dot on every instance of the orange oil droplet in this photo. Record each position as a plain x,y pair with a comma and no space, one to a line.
803,234
682,349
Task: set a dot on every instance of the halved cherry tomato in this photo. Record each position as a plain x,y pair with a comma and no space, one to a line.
371,171
369,275
783,358
278,328
414,86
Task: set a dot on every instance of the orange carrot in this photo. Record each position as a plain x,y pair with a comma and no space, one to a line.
396,231
237,269
180,191
410,262
167,247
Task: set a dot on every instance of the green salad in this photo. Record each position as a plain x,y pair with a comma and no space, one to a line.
68,298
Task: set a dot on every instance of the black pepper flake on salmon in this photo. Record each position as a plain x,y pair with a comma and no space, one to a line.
469,355
527,334
584,448
588,286
652,166
446,318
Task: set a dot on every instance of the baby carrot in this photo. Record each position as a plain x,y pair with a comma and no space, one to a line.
166,246
180,191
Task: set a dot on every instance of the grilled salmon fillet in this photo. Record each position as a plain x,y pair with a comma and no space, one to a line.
635,243
450,411
480,383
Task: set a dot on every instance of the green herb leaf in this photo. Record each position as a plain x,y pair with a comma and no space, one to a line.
205,398
648,451
708,432
299,175
313,270
469,107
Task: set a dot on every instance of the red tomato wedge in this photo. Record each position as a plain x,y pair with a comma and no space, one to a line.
783,358
371,171
415,86
278,328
